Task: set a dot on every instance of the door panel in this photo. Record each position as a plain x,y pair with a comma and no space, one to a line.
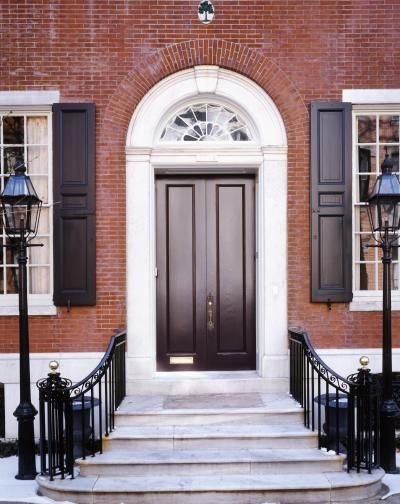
205,252
181,271
230,272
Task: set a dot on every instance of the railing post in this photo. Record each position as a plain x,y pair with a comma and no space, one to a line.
366,427
52,390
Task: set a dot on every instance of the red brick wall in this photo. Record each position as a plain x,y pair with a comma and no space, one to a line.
113,52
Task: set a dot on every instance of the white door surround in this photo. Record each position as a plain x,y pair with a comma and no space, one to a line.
265,155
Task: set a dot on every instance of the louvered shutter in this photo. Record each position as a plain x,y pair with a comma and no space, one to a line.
331,203
74,204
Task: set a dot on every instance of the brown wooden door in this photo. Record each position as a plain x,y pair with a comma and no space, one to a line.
206,273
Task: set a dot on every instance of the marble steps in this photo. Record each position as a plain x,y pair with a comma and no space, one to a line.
200,462
209,437
214,448
317,488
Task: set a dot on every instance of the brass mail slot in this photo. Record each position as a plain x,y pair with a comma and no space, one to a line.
181,360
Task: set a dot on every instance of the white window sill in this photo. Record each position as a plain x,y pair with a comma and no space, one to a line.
32,310
372,303
38,304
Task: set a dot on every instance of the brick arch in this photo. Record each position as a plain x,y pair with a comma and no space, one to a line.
233,56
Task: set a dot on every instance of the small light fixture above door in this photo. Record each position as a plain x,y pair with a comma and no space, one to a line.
206,11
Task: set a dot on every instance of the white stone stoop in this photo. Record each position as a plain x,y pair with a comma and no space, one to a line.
243,448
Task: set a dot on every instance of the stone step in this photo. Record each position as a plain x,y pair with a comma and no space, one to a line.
204,382
321,488
209,437
252,408
201,462
200,417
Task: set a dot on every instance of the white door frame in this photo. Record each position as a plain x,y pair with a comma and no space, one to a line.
265,155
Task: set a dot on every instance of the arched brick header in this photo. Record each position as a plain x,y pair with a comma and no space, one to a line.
236,57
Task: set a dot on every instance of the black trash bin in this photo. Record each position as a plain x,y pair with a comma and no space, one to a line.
334,406
80,408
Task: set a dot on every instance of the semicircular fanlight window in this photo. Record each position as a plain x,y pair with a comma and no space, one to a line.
206,122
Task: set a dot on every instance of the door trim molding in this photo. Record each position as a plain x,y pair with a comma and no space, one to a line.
266,157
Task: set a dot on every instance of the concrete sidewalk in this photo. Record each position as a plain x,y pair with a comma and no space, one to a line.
17,491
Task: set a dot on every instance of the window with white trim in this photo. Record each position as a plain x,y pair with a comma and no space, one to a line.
375,134
26,136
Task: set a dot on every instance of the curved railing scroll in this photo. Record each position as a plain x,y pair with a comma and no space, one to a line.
344,411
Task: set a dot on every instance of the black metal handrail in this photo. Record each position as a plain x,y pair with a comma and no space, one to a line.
344,411
74,417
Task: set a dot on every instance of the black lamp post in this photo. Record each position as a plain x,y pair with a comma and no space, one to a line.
384,217
20,207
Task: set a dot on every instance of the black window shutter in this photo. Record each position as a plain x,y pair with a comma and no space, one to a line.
331,204
74,204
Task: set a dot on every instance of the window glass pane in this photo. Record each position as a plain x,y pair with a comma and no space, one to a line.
39,282
365,253
364,225
44,222
25,140
204,122
11,255
11,280
13,129
366,276
1,280
37,160
39,255
13,157
395,276
367,159
365,186
36,128
389,128
393,152
366,127
40,185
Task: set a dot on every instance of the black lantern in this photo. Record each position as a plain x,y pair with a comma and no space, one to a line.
384,216
20,205
384,201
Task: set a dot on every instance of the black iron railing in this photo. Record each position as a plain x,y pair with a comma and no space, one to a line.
344,412
74,417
